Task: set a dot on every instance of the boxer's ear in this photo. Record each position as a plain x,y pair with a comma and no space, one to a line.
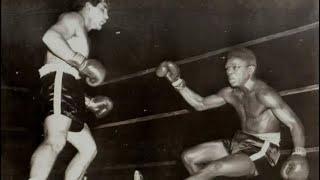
88,5
251,69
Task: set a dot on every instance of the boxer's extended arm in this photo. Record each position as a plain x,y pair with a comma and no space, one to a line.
171,71
202,103
56,36
284,113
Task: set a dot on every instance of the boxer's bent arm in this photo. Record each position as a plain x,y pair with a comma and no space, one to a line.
201,103
56,37
285,114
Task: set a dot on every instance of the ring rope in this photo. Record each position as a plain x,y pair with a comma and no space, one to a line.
304,89
203,56
219,51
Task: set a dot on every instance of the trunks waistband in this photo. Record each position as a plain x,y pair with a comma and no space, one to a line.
257,146
270,137
61,67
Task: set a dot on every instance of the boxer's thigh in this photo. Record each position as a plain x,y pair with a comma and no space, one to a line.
207,152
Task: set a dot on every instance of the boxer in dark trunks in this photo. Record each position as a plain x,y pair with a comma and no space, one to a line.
261,110
62,92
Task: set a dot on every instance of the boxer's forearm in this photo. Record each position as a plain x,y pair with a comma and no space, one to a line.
58,45
289,118
298,136
192,98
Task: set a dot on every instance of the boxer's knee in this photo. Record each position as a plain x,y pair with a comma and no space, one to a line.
89,152
56,143
187,157
92,152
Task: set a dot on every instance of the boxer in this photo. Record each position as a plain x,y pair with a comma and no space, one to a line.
261,110
62,91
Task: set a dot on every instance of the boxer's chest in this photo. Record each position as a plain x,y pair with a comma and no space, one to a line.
248,105
80,43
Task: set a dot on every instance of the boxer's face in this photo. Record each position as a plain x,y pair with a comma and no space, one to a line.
238,72
98,15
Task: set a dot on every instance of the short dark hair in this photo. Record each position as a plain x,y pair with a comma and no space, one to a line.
79,4
243,54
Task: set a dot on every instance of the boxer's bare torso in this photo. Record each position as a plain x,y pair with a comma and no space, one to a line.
255,116
77,41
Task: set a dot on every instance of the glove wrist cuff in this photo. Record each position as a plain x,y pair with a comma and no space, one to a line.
83,65
77,60
301,151
179,84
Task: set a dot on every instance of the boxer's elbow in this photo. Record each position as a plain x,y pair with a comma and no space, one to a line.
49,37
200,106
46,38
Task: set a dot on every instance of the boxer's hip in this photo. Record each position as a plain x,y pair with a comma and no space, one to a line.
62,93
257,146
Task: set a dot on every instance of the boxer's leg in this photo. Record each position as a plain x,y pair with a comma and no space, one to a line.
234,165
87,151
203,153
42,160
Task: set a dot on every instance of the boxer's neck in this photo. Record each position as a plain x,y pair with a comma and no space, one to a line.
248,86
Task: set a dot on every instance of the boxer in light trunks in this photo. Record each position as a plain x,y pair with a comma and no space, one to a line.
261,110
62,95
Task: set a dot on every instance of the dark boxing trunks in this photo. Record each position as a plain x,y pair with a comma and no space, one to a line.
260,151
62,93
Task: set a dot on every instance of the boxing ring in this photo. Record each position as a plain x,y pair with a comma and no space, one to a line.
298,90
161,116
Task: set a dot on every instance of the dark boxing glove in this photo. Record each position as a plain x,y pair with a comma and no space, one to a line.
99,105
171,71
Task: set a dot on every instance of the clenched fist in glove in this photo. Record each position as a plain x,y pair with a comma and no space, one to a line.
99,105
295,168
91,68
171,71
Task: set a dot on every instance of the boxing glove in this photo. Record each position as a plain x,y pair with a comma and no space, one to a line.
295,168
91,68
168,69
99,105
171,71
94,72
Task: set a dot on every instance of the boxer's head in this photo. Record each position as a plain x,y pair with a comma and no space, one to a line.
95,12
240,66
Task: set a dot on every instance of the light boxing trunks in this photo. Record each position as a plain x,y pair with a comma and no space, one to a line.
62,93
262,149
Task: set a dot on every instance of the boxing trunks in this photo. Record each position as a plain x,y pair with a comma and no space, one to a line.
262,149
62,93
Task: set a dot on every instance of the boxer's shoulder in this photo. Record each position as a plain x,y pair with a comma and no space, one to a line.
226,91
73,18
227,94
267,95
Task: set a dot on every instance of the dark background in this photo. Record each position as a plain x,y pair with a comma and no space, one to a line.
139,35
